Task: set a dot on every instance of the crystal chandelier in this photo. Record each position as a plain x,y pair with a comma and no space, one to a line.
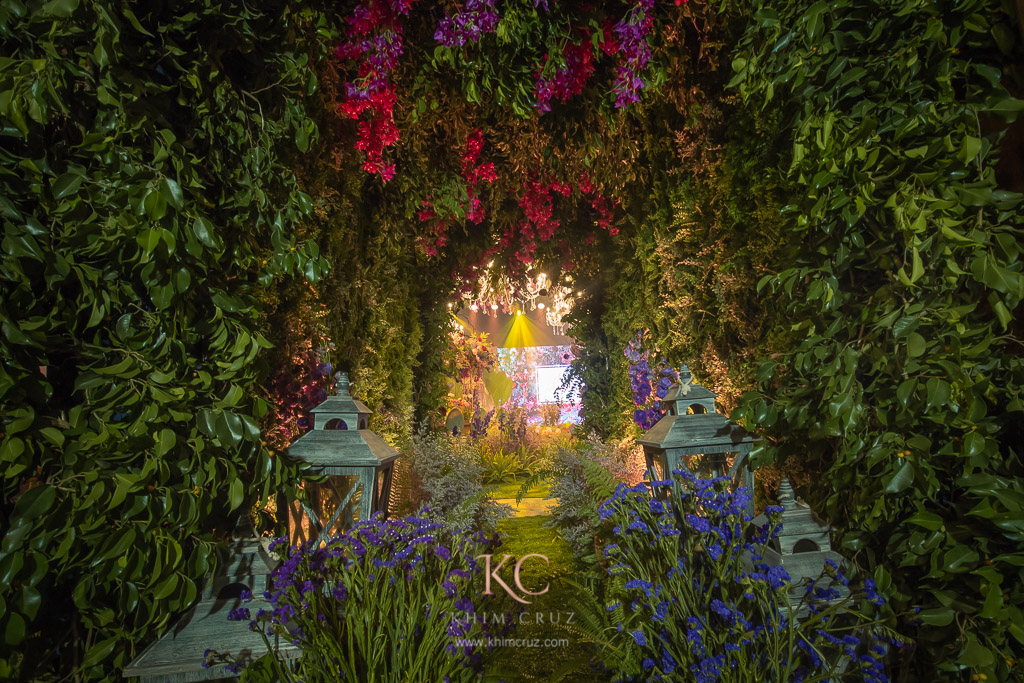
494,292
561,304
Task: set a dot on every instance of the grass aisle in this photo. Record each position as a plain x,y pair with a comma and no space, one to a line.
522,536
511,490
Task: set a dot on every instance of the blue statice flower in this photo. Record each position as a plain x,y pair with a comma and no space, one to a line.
698,523
646,586
871,592
668,662
711,585
239,614
637,525
720,608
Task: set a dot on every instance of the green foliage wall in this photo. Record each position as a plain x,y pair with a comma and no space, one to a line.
902,285
838,240
702,228
385,303
144,203
176,180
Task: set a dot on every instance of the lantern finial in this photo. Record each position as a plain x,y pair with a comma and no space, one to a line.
786,497
342,382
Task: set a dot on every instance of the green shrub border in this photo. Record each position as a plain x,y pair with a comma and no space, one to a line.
144,202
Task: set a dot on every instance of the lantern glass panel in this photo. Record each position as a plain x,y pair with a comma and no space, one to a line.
335,491
324,500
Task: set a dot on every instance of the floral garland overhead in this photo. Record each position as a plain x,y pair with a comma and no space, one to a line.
473,173
635,52
373,51
375,41
567,81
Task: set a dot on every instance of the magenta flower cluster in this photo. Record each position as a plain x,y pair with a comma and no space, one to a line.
477,18
568,81
634,51
375,44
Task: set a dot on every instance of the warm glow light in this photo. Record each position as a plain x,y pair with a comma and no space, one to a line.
474,308
519,312
540,306
449,305
494,307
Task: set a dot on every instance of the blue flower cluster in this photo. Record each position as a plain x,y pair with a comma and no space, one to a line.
381,584
694,598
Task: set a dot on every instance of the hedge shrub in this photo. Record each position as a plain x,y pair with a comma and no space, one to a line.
144,201
902,279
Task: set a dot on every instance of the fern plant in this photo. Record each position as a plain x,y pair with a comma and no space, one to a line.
583,474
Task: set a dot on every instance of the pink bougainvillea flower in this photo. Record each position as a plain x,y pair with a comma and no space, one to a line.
375,41
567,81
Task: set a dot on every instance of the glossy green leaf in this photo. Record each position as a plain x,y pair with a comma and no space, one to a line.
236,493
928,520
936,616
60,8
99,652
975,654
15,630
67,185
961,558
166,441
915,345
900,479
171,192
35,502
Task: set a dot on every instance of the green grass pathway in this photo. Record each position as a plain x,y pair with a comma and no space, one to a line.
522,536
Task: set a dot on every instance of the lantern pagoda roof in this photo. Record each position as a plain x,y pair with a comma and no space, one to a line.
339,439
342,402
178,655
329,448
685,392
695,393
702,433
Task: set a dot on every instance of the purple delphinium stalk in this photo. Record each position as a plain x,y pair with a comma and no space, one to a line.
641,379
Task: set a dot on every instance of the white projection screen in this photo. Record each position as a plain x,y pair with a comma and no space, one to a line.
549,378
